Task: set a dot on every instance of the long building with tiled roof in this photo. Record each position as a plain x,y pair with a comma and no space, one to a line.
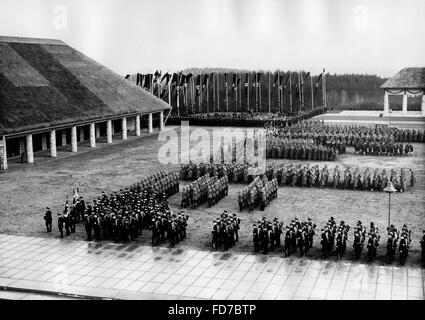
52,93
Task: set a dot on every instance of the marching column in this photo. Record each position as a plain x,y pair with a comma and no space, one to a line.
53,152
4,154
74,139
124,128
138,125
43,141
161,121
150,127
109,131
30,153
92,135
405,103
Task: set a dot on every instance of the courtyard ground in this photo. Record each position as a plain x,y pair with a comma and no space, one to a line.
26,192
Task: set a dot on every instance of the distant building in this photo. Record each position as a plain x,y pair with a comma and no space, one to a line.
52,95
407,82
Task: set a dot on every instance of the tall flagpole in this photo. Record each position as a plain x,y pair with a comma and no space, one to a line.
169,92
256,92
247,93
192,92
213,90
159,88
278,91
299,88
259,94
178,99
218,91
302,89
311,88
227,94
240,91
324,91
290,91
200,93
270,96
235,91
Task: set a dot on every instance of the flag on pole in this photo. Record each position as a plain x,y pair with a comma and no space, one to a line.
246,84
316,87
198,85
156,76
204,83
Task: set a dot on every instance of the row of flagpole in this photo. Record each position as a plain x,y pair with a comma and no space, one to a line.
188,87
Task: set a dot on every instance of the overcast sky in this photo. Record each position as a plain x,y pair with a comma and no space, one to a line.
345,36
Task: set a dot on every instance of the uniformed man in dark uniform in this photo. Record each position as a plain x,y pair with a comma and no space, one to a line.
60,224
48,220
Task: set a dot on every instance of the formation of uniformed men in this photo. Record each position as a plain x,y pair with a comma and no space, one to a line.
356,179
383,148
299,235
225,231
331,233
217,190
249,118
204,189
393,237
235,172
348,135
122,215
266,236
71,215
302,149
258,193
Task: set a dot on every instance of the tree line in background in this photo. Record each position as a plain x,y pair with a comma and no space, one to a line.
245,92
220,90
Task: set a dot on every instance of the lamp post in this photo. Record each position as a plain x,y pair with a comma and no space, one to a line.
389,189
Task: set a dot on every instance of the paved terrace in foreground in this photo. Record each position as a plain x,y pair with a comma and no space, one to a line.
128,271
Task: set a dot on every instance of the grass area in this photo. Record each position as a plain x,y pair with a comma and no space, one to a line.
26,193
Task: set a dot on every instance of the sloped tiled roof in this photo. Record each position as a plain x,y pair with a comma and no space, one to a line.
46,83
407,78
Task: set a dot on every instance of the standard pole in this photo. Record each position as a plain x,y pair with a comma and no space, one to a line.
311,88
227,97
270,96
200,93
259,94
218,92
256,92
240,91
208,100
192,91
278,91
178,101
169,92
213,90
247,93
389,209
299,89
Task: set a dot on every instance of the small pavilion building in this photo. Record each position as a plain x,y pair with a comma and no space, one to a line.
408,82
52,95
